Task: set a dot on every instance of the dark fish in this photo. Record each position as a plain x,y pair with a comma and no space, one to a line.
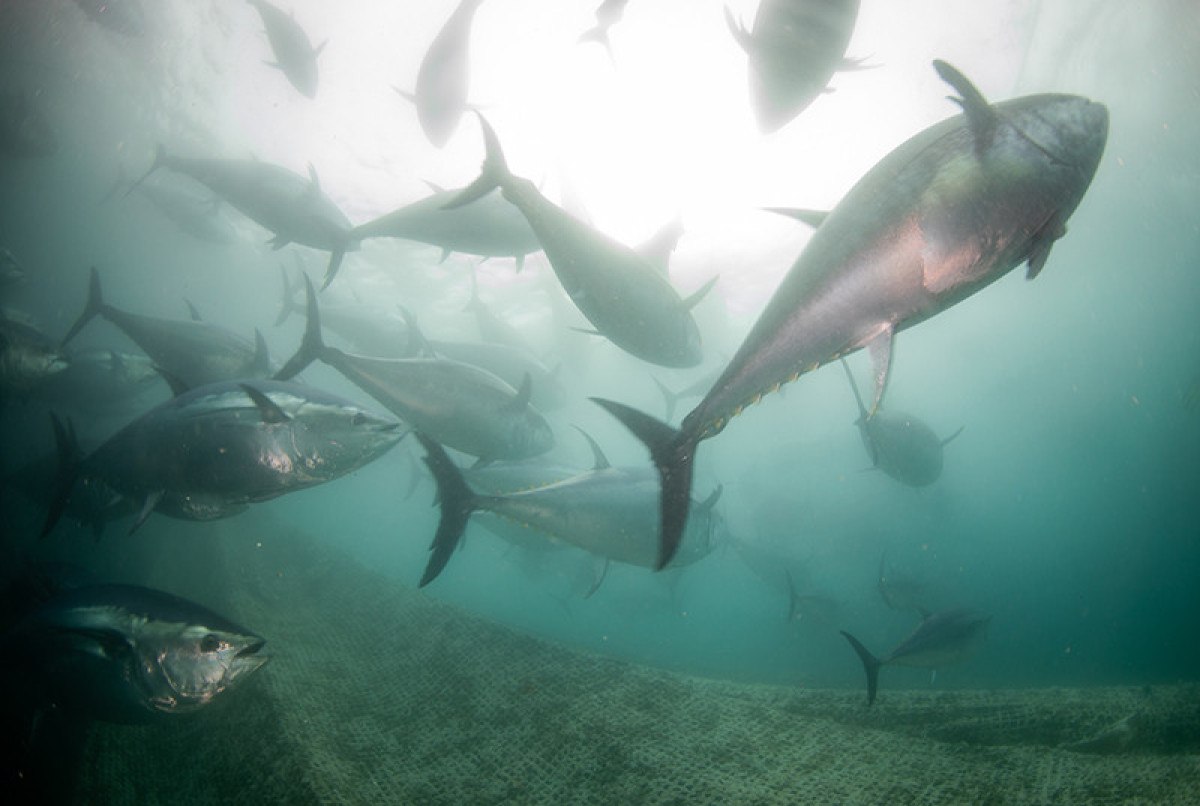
295,56
28,358
444,76
488,227
25,131
191,213
620,292
463,405
942,638
122,16
794,49
197,353
292,207
99,380
123,653
899,589
944,215
607,511
212,451
608,14
899,444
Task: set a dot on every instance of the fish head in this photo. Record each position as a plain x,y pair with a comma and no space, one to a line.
530,435
183,666
1068,129
338,436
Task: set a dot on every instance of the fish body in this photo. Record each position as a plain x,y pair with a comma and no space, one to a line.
98,380
465,406
196,353
443,79
607,511
623,294
488,227
195,216
210,452
794,48
291,206
127,654
295,56
943,638
942,216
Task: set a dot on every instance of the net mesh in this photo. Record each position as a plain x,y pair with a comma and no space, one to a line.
377,693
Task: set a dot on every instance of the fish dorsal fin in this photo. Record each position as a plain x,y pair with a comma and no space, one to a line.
268,408
699,293
738,29
981,116
597,578
177,385
524,395
314,179
435,187
599,460
814,218
317,50
193,311
262,357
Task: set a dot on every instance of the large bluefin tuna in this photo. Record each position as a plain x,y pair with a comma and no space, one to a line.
464,406
194,352
607,511
621,292
444,76
210,452
124,653
295,56
794,48
944,215
291,206
942,638
899,444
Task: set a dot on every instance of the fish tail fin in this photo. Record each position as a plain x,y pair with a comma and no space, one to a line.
92,308
457,502
286,304
870,663
160,159
69,457
312,345
673,453
335,263
599,35
494,173
669,397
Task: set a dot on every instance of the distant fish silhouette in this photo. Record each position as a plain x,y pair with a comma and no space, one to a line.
443,78
295,56
608,14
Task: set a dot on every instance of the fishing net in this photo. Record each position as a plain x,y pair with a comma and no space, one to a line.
380,694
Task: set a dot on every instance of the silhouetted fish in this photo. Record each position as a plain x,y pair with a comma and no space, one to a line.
444,76
295,56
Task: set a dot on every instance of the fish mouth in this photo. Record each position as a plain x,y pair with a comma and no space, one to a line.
247,659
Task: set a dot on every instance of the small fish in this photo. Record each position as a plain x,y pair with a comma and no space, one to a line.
295,56
942,638
127,654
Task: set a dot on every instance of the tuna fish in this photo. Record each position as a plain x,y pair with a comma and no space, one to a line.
488,227
444,76
607,511
99,380
942,216
123,653
212,451
28,358
794,49
295,56
899,444
295,209
621,292
608,14
942,638
462,405
196,353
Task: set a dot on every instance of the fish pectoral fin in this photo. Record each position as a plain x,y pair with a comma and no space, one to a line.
849,63
880,350
176,384
694,299
193,311
598,575
952,437
524,395
148,506
1042,241
103,643
276,65
588,331
268,408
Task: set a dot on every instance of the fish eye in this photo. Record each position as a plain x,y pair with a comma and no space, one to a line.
210,643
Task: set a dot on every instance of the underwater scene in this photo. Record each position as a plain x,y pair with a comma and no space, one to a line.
600,401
